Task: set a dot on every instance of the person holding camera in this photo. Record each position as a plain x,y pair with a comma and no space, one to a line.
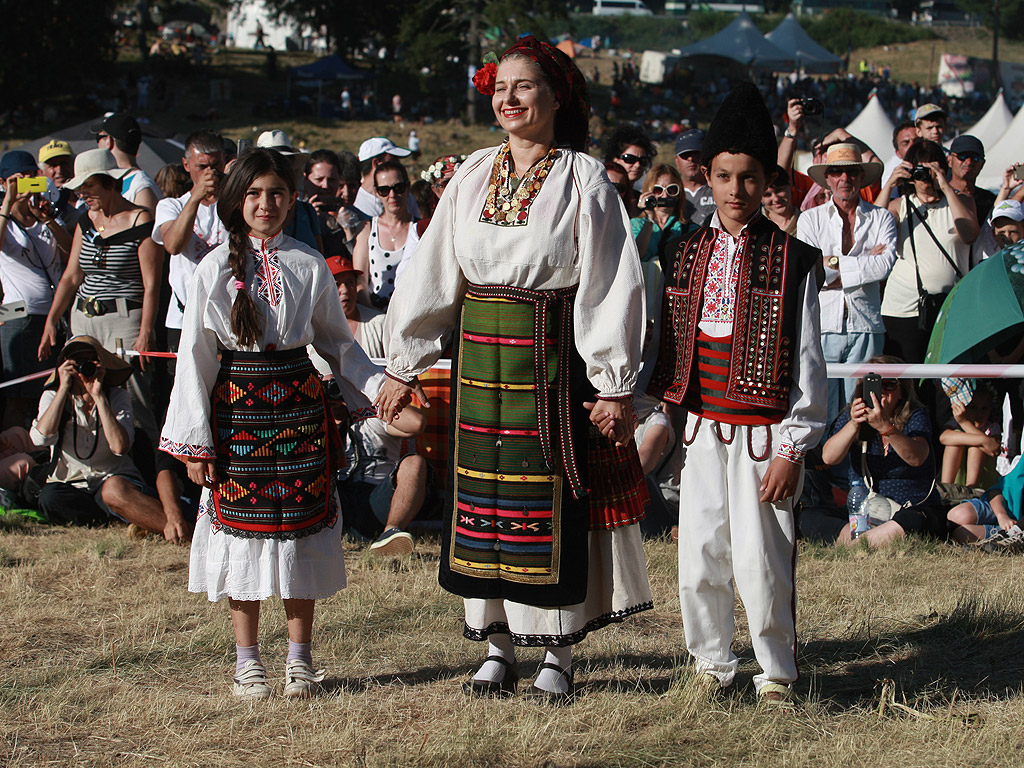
188,227
935,227
87,416
894,434
662,212
32,243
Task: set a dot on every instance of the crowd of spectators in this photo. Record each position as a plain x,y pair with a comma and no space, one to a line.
100,263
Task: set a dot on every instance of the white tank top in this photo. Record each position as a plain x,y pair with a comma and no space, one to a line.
384,263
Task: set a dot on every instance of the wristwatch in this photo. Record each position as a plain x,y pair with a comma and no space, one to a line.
833,262
788,135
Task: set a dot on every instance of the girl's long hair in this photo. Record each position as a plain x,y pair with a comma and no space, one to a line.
245,317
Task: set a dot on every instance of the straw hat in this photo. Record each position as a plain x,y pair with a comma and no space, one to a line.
839,155
118,371
95,162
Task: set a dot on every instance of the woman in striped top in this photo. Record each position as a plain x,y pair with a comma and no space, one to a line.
112,280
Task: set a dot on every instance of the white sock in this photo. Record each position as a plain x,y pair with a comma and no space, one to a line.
550,680
494,671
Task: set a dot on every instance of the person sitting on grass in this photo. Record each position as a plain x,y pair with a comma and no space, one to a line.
387,483
970,435
87,415
993,514
899,458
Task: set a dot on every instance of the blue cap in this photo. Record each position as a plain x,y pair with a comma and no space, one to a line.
17,161
689,141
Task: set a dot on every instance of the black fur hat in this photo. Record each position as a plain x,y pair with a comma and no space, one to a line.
742,126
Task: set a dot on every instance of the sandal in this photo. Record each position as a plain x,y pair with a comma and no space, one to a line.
551,697
501,689
775,695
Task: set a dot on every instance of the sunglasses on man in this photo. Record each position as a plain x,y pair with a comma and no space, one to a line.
963,157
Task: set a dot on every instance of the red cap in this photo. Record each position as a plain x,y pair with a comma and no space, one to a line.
339,265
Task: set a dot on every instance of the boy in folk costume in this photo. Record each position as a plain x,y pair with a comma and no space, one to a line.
741,351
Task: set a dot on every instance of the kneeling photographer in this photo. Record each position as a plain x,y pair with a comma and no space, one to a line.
86,415
936,226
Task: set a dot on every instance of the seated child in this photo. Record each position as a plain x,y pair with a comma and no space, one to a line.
999,509
972,434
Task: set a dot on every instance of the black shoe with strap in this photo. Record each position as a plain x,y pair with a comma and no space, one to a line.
554,697
501,689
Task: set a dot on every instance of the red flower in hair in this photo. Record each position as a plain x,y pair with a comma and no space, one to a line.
485,77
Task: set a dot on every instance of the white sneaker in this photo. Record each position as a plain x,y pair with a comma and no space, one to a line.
251,682
301,681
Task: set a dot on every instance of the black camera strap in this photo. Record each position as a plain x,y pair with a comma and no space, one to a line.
913,210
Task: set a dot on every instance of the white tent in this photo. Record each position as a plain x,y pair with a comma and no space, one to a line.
874,127
1004,153
993,124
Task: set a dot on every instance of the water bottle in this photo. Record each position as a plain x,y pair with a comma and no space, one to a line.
855,505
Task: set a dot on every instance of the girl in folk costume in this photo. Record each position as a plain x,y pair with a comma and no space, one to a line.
530,255
741,351
253,427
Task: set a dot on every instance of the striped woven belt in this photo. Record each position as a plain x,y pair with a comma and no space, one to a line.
542,302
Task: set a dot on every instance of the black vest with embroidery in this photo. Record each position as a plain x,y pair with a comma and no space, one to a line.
769,302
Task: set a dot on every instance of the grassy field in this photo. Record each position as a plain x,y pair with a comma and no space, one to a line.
909,657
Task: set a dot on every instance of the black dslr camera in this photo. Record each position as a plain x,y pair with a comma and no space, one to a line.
812,107
920,173
87,368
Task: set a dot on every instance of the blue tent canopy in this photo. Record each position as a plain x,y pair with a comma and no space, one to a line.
331,67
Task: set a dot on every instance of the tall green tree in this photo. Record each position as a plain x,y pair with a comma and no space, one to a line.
53,46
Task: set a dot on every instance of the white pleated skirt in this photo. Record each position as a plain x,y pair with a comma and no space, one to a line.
222,565
617,587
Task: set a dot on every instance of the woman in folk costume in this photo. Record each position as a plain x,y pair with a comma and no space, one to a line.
741,351
530,252
253,426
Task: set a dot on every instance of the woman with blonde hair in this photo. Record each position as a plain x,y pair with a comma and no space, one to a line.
663,215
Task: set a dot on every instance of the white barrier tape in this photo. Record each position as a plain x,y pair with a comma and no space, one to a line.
924,371
834,370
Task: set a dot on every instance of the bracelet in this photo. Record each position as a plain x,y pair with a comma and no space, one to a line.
892,428
787,135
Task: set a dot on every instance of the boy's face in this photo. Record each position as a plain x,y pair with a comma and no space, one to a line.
737,183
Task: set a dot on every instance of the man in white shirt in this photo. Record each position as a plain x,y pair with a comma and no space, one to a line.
120,133
858,246
188,227
372,153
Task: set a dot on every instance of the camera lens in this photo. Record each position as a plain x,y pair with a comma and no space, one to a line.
87,368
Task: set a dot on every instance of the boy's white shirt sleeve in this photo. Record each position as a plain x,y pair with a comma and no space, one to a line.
804,423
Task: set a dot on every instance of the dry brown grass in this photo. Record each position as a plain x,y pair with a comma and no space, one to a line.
109,661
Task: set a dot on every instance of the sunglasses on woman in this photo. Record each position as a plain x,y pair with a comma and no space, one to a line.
399,189
629,159
890,385
672,190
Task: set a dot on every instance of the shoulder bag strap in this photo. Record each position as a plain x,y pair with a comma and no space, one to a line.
924,221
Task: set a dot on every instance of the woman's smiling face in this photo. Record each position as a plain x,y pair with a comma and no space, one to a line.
523,101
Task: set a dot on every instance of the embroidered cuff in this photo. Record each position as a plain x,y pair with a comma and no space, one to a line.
407,382
362,414
790,452
615,398
185,450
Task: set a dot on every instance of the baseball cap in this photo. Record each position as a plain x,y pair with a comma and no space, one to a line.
121,126
1008,209
689,141
339,265
17,161
967,143
55,148
929,112
378,145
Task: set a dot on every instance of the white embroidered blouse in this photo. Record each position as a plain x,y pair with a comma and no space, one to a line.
299,305
566,228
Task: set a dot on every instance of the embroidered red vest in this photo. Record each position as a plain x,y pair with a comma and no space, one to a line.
772,268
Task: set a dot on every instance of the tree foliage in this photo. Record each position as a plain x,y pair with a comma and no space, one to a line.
48,42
